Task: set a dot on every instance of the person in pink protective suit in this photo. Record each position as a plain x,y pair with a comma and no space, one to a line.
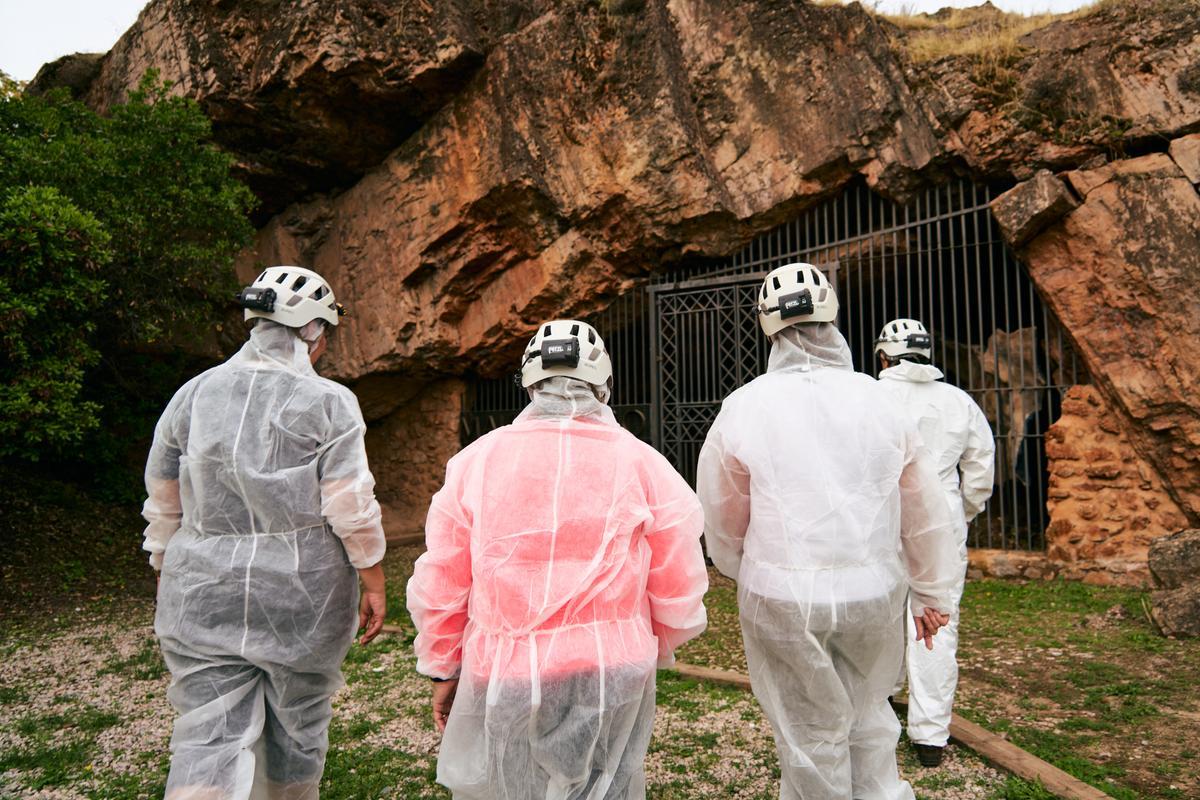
563,567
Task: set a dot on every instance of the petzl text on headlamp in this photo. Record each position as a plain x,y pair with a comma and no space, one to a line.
560,352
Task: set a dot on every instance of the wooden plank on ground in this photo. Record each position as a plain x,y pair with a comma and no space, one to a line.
406,539
1020,762
714,675
996,749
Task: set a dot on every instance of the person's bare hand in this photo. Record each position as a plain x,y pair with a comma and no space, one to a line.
371,610
443,700
927,625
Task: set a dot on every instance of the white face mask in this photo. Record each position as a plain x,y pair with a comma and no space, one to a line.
311,332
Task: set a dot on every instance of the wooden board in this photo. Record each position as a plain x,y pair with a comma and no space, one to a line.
406,539
714,675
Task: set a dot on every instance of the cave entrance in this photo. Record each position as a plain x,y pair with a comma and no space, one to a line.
689,337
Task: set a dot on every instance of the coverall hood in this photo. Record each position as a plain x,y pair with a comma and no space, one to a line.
807,347
563,397
273,344
912,372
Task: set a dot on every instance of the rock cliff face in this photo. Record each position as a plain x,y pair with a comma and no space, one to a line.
461,170
311,94
551,182
1121,271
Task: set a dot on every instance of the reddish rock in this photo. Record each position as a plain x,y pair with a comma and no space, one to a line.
461,170
1120,272
1133,515
1028,208
75,72
1103,471
408,475
1185,152
512,204
311,95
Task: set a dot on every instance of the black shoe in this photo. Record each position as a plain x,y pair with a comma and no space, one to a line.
930,755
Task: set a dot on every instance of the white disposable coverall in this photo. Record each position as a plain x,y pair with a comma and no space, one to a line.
820,500
260,507
563,566
960,439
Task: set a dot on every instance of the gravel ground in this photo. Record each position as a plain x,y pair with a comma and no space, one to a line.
85,716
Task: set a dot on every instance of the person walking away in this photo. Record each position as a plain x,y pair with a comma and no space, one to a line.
821,502
563,566
261,510
958,436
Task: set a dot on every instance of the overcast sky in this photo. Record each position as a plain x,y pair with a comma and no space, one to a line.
33,32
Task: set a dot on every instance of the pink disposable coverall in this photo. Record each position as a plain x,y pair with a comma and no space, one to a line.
563,565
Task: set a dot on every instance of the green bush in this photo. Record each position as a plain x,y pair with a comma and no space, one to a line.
151,200
152,177
52,255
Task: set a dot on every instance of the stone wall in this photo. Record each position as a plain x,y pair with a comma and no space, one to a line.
1106,503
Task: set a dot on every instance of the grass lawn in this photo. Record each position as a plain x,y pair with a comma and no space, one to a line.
1076,675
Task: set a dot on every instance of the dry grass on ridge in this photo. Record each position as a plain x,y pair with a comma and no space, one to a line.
990,34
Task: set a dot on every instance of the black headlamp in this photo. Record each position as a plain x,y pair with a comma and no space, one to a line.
560,352
257,298
919,341
796,304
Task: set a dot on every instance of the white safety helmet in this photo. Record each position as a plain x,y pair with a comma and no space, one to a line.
795,294
904,337
292,296
566,347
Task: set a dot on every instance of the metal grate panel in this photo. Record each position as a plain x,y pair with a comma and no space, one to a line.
685,340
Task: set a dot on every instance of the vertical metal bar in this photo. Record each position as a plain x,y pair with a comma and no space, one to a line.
873,321
1029,382
656,398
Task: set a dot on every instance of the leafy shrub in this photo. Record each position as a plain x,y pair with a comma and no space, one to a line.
150,174
52,255
145,194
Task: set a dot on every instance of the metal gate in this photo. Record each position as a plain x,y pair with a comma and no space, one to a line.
706,343
689,337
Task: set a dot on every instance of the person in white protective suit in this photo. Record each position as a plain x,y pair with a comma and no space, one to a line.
262,517
958,435
563,566
820,500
